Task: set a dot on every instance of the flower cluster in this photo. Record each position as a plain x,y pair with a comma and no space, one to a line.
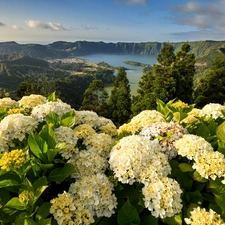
31,101
135,158
39,112
8,103
213,110
167,134
143,119
87,162
211,165
25,196
88,197
16,126
13,160
193,146
200,216
67,136
163,197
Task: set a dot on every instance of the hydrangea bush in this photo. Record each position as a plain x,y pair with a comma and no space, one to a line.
68,167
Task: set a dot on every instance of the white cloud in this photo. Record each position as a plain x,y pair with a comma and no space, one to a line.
56,26
16,27
49,25
200,14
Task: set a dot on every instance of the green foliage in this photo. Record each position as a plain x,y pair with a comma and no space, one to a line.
211,88
120,99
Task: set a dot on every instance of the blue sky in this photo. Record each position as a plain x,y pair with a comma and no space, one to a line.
46,21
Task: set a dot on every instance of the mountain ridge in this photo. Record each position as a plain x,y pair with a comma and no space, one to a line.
63,49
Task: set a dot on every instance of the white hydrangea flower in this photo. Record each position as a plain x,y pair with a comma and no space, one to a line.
16,126
99,143
68,136
8,103
84,130
143,119
87,162
200,216
63,208
163,197
193,146
32,101
210,165
167,134
88,117
212,110
39,112
136,158
94,193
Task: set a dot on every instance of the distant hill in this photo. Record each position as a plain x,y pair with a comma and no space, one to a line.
15,68
62,49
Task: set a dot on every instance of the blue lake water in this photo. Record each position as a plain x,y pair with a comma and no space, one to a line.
134,73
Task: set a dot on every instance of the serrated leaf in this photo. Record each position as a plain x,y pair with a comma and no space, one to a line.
220,132
128,215
60,174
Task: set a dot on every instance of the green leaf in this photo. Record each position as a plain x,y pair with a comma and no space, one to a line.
48,135
216,186
197,177
175,220
52,97
128,215
42,181
68,119
7,183
185,167
53,118
194,197
220,200
221,147
4,197
47,221
43,211
203,131
108,221
147,220
60,174
14,203
220,132
38,146
52,153
29,221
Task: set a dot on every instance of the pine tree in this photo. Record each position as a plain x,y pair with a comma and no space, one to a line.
120,99
212,88
95,98
185,66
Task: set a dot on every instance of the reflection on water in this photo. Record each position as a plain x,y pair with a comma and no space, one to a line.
134,73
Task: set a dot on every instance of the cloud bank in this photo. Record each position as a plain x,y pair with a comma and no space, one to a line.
41,25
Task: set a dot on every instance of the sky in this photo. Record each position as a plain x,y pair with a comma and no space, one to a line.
47,21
